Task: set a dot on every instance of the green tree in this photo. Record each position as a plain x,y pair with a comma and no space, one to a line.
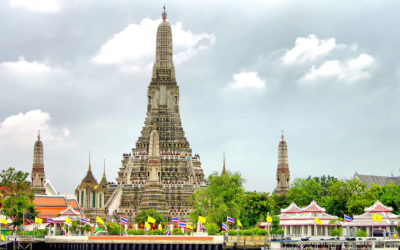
143,215
16,199
223,196
281,201
114,228
304,191
336,202
359,198
212,228
257,205
324,181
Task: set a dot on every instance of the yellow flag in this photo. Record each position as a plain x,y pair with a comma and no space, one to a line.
3,238
318,221
202,219
376,217
38,220
239,223
151,219
99,220
147,225
3,221
68,220
269,219
189,226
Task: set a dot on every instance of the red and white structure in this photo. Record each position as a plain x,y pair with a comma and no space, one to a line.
300,222
365,222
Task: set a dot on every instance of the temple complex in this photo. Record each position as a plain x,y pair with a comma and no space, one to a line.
282,173
90,195
160,172
37,174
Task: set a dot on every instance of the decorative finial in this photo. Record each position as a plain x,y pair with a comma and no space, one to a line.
90,168
164,14
154,126
38,135
283,138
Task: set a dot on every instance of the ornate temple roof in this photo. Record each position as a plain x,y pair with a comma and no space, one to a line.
292,208
293,215
378,180
366,219
103,181
313,208
89,179
378,207
50,205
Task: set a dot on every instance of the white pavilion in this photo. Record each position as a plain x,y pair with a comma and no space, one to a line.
300,222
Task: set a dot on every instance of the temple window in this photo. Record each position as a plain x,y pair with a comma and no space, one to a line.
93,199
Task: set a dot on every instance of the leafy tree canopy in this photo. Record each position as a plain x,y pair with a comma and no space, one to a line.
17,199
143,215
223,196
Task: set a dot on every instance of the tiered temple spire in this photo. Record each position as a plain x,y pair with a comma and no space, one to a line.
163,150
282,174
37,174
223,166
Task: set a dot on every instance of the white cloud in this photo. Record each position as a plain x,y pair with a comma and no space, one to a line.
308,48
21,129
134,47
245,80
23,67
44,6
349,71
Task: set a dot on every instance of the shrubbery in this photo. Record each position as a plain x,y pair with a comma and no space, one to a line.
336,232
246,232
262,232
232,232
278,231
212,228
361,234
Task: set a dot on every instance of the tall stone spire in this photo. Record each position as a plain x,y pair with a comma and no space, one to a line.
160,167
103,181
282,174
37,174
164,67
89,178
223,166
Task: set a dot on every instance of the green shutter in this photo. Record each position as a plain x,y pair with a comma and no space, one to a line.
94,199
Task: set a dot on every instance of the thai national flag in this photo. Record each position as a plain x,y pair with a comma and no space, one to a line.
124,221
182,225
175,220
167,232
84,221
50,220
230,219
225,227
347,218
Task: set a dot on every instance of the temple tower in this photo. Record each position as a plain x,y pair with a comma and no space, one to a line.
90,196
161,156
103,181
37,174
154,196
223,166
282,174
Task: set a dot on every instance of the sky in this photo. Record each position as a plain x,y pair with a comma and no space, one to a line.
327,73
